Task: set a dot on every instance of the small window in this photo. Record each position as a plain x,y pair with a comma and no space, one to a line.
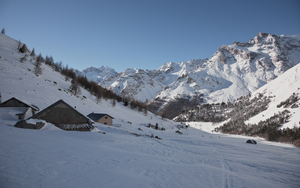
105,123
105,117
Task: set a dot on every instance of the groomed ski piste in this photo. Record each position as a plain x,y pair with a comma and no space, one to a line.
127,155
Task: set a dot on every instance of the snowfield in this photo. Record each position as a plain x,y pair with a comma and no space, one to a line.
44,158
127,155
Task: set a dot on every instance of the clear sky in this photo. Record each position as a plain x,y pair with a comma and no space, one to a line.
141,33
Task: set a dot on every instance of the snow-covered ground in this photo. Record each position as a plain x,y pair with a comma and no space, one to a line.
126,156
44,158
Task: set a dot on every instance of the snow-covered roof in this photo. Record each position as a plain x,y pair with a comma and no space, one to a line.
20,101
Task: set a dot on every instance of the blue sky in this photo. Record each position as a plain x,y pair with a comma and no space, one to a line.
141,34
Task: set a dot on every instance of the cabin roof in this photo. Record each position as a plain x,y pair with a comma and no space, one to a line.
20,101
55,104
97,116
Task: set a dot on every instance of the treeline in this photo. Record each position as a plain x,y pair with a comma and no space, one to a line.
177,105
243,108
290,102
215,112
78,81
268,129
94,89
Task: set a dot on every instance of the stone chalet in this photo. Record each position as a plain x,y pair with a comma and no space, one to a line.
101,118
65,117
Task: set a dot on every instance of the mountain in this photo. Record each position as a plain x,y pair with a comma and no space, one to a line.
97,74
279,96
282,91
232,71
130,154
271,112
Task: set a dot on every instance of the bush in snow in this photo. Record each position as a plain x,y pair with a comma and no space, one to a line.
156,127
24,58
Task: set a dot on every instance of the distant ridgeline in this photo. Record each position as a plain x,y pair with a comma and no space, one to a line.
231,72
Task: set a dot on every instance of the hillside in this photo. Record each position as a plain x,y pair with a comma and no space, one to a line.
281,89
271,112
127,155
276,92
19,80
233,71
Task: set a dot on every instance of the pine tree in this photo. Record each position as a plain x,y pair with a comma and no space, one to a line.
32,53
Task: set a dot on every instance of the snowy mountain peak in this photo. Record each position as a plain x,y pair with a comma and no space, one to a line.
102,69
129,71
97,74
232,71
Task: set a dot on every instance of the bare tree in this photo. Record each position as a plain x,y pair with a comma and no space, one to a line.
75,88
37,65
24,58
98,97
19,45
113,102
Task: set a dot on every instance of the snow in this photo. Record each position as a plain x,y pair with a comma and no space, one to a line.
126,156
9,113
237,70
32,158
97,74
280,89
47,126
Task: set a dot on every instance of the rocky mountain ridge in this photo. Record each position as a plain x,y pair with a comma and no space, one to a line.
97,74
232,71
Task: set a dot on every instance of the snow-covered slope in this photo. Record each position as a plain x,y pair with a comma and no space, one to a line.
126,156
279,96
18,80
232,71
280,90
